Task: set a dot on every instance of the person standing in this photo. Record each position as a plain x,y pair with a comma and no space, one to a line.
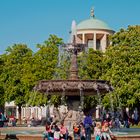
136,116
126,119
88,125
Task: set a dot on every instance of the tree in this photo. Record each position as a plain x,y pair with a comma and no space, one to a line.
90,64
22,70
16,67
90,67
129,37
1,84
45,62
46,58
122,67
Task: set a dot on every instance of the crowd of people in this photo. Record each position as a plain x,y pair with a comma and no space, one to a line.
101,129
55,132
5,121
82,131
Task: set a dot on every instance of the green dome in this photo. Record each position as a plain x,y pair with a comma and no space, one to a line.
93,23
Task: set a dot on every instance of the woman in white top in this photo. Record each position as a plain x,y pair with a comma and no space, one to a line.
97,131
56,133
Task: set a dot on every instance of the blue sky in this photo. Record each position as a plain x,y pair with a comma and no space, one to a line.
32,21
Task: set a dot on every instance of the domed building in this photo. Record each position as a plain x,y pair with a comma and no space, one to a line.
94,33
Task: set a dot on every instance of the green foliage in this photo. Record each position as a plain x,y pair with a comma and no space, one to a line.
44,65
36,99
90,64
45,59
1,83
55,100
16,61
90,67
90,102
129,37
122,67
22,70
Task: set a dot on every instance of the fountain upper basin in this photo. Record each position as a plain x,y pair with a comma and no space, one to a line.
72,87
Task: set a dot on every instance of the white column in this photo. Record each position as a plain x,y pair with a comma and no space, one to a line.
39,113
44,111
94,41
83,38
97,112
17,113
32,112
24,112
104,43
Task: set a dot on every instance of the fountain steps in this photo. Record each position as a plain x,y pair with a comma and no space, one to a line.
38,137
22,137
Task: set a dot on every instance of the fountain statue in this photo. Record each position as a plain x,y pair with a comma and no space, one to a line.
73,88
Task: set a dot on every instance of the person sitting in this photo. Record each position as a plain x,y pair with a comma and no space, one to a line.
117,123
47,133
106,132
97,131
2,119
56,133
82,132
63,132
53,127
76,131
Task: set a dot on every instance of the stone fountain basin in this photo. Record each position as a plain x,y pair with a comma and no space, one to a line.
73,87
126,131
35,133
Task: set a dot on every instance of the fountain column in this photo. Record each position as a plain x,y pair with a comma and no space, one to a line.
63,94
82,99
48,112
98,107
74,67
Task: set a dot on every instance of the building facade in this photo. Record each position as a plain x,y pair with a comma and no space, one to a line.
93,32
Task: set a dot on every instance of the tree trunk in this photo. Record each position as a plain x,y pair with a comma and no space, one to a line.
19,117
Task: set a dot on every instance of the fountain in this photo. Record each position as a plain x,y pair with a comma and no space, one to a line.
73,89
